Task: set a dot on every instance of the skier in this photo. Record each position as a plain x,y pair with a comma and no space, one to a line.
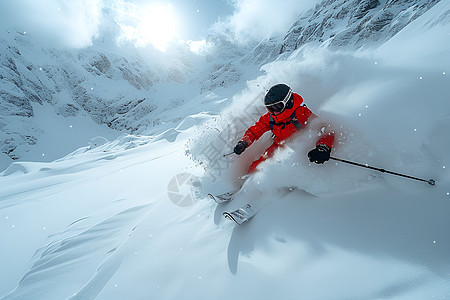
286,115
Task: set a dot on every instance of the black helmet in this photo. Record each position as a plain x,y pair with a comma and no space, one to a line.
278,98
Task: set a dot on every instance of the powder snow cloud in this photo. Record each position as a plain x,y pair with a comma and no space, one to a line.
257,19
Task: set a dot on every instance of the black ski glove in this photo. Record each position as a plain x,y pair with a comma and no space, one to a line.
240,147
319,155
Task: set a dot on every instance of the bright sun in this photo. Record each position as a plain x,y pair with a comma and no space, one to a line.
157,26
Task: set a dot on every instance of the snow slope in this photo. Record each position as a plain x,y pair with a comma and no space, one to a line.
104,222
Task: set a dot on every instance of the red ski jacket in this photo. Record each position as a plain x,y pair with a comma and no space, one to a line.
284,125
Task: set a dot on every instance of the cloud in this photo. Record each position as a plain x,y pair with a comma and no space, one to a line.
201,47
254,20
145,23
63,23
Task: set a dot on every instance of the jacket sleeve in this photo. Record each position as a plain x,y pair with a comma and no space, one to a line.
326,134
255,131
327,139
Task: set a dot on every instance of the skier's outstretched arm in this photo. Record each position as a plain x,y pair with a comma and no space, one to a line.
324,144
253,133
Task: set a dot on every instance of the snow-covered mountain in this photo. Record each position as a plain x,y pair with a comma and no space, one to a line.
129,217
108,87
113,86
356,24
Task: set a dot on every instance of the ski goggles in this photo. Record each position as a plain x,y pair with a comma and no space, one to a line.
278,107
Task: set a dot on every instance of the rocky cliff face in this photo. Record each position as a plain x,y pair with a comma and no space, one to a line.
108,87
353,23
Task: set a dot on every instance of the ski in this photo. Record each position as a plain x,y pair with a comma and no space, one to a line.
241,215
245,213
223,198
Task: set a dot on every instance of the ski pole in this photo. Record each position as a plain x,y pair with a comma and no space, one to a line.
430,182
225,155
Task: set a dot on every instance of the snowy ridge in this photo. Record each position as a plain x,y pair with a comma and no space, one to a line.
99,223
340,24
359,24
115,88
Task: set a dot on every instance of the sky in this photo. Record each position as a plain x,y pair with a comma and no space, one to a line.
76,23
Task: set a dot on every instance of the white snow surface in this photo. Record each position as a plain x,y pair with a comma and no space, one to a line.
102,222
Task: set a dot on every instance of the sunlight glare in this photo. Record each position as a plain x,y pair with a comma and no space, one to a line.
157,26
